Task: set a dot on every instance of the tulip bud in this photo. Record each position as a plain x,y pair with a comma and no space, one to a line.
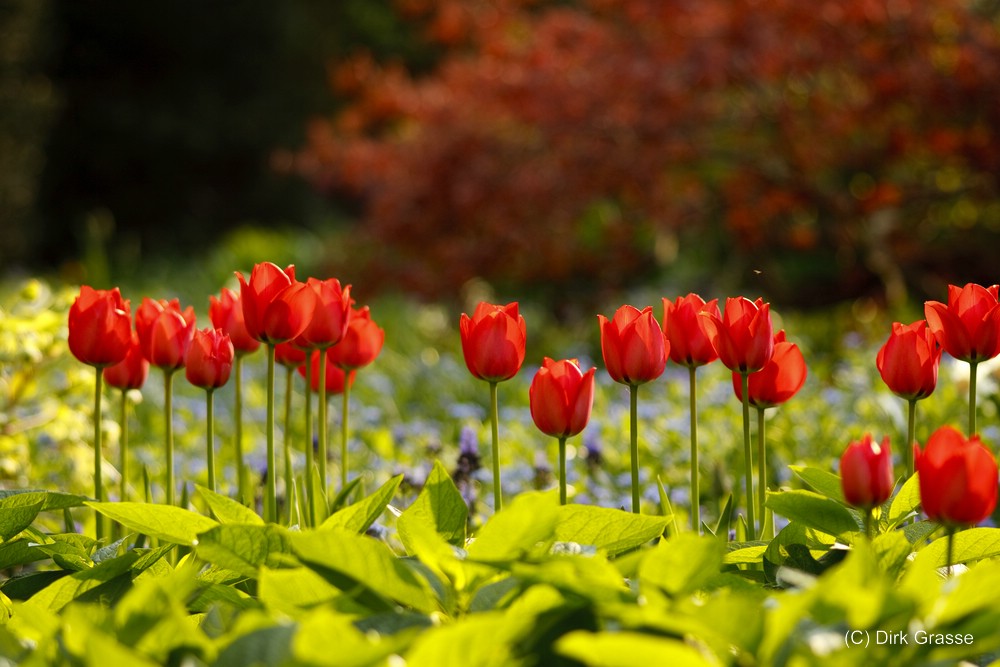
493,341
633,345
866,473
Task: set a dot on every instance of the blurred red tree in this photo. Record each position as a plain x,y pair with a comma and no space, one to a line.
839,146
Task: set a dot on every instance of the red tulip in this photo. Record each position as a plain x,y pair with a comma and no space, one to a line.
561,397
633,345
100,327
866,473
684,327
276,307
779,380
968,328
226,313
329,319
164,332
289,353
334,376
493,341
361,343
908,361
132,371
958,478
209,359
742,336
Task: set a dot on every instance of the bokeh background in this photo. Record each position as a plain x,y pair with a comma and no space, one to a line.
558,150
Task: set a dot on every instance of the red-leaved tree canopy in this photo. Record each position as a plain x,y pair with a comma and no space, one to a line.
838,146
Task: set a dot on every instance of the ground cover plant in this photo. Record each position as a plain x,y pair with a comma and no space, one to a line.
432,547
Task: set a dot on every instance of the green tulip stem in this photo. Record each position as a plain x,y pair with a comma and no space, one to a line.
494,419
911,419
271,496
289,372
972,396
168,413
98,454
869,523
951,550
323,445
310,462
633,395
241,475
695,493
123,448
765,532
210,444
344,431
748,453
562,471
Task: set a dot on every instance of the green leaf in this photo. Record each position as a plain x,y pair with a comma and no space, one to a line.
112,574
823,481
170,524
17,511
666,508
311,644
905,502
53,500
356,563
242,548
744,553
361,515
814,511
440,504
611,530
19,552
972,544
628,649
517,529
681,564
287,590
227,510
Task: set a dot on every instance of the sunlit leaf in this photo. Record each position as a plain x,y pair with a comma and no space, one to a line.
164,522
227,510
629,649
359,516
610,530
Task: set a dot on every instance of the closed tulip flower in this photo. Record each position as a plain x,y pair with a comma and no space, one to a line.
493,341
866,473
226,313
633,346
132,371
779,380
561,396
742,335
968,327
289,354
908,361
958,478
164,332
684,328
361,343
276,307
209,359
330,314
335,377
100,327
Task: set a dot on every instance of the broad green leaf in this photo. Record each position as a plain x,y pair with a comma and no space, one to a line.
311,643
227,510
267,645
745,553
591,578
975,592
666,508
355,563
814,511
288,590
517,529
340,500
611,530
905,502
242,548
19,552
17,511
440,504
83,638
164,522
53,500
112,574
892,550
481,640
629,649
972,544
681,564
822,481
361,515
